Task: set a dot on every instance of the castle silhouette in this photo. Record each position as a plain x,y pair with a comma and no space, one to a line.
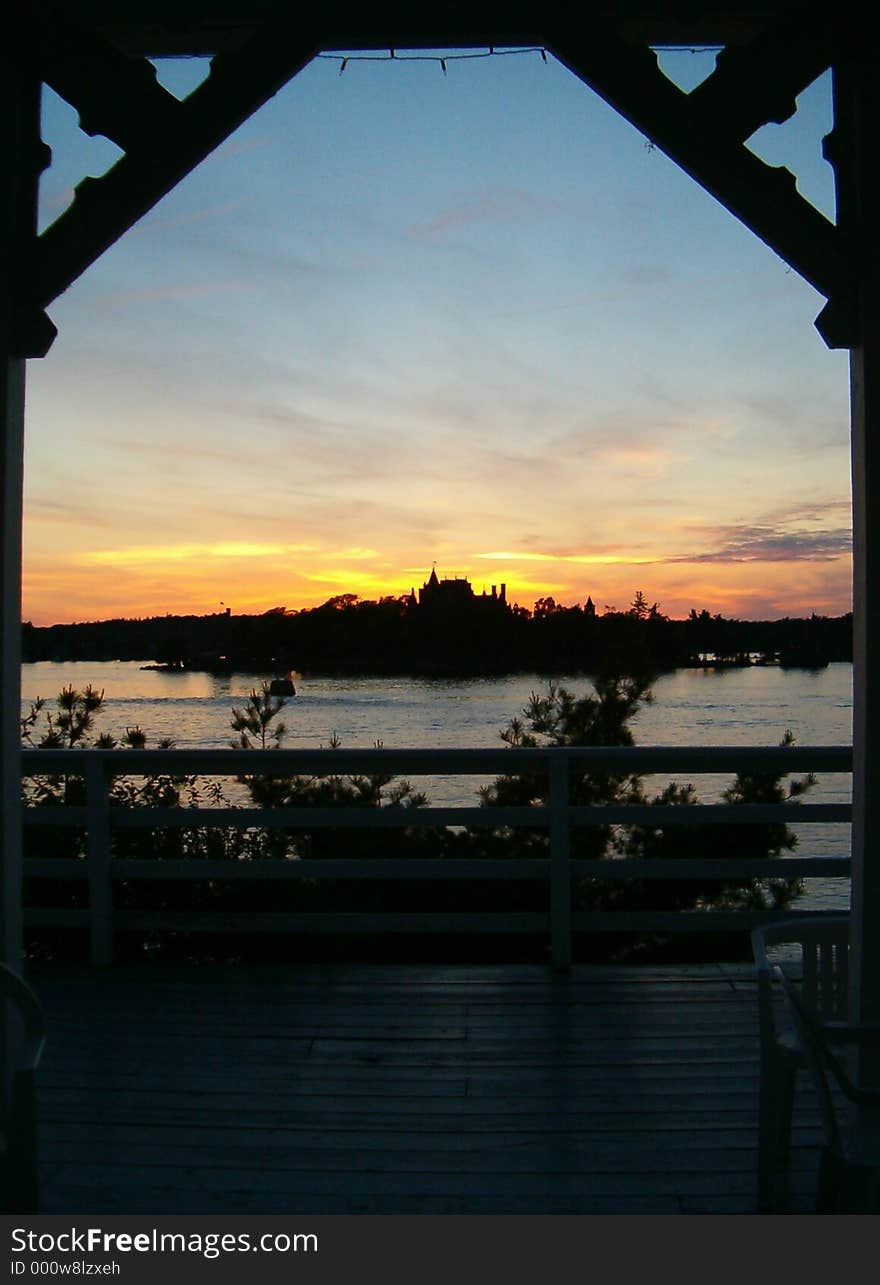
456,595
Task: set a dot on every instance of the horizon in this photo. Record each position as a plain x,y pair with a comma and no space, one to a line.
473,312
605,609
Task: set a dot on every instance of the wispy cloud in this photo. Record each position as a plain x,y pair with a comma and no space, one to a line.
182,450
491,206
508,556
139,555
770,542
640,455
148,554
640,442
202,215
83,514
601,558
180,290
806,511
241,146
801,533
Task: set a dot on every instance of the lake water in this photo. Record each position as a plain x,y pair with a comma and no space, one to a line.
692,706
753,706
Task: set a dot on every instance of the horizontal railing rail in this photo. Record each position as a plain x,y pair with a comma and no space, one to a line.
613,759
99,818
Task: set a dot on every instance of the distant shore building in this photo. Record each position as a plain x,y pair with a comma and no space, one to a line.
457,595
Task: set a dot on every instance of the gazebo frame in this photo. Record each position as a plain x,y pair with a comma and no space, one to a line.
94,54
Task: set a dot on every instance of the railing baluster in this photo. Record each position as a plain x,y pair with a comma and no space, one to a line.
560,863
99,852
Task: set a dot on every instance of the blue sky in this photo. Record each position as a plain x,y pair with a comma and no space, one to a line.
400,318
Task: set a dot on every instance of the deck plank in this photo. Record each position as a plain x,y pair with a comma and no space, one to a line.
397,1089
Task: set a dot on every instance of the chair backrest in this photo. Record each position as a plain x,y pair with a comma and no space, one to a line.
822,945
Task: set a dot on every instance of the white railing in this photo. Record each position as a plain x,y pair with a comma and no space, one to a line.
555,918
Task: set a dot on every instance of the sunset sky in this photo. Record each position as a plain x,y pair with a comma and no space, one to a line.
403,318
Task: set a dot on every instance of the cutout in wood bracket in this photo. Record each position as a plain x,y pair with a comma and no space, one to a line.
797,145
89,156
180,76
687,68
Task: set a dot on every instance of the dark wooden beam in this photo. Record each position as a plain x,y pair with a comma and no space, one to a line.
115,95
759,82
22,157
157,27
166,149
853,147
765,199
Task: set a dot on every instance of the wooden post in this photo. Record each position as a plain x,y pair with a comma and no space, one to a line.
560,864
22,157
853,152
12,410
99,855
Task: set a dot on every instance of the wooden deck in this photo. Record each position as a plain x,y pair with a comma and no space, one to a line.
402,1089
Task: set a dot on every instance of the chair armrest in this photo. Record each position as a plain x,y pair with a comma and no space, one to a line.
819,1037
20,994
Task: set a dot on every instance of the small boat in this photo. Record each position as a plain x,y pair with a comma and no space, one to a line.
282,686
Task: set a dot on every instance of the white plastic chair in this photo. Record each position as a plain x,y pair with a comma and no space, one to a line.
19,1185
821,956
849,1166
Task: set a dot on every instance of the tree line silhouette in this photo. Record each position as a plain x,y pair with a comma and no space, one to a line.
347,635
